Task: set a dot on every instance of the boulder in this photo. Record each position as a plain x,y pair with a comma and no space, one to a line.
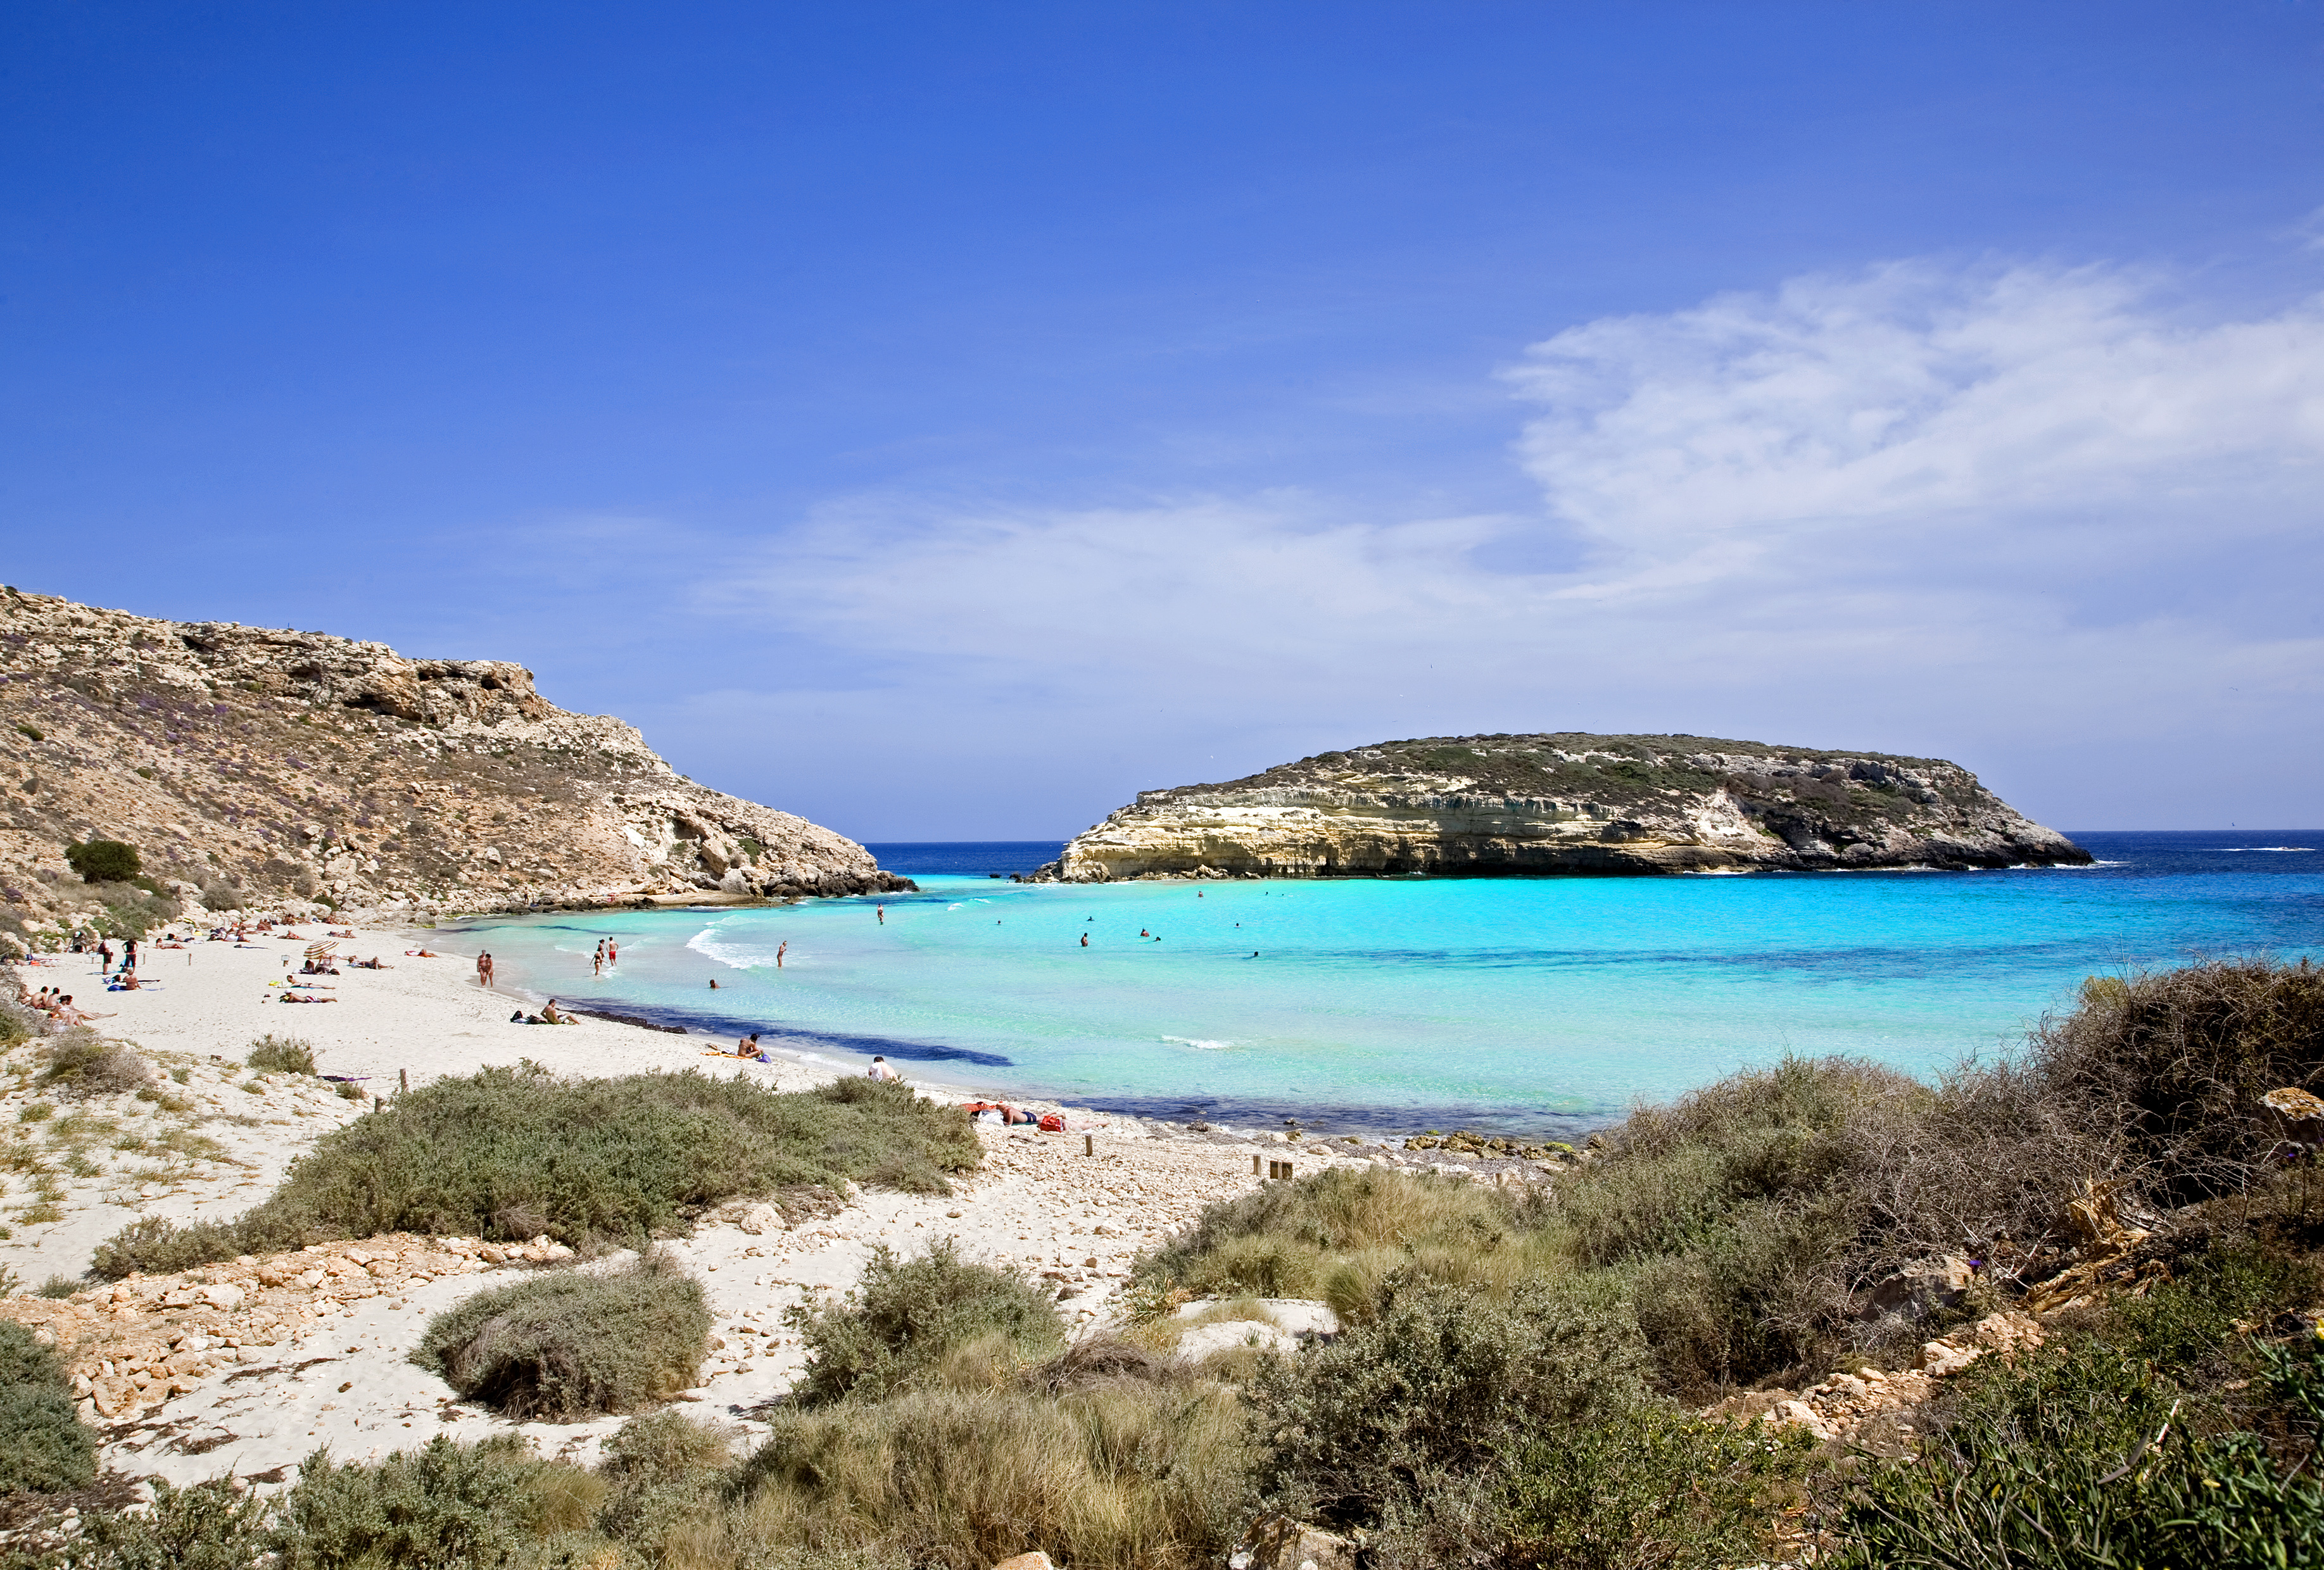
1277,1542
1206,1340
2298,1116
1917,1288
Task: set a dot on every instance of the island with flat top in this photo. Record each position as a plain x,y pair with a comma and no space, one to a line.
1565,802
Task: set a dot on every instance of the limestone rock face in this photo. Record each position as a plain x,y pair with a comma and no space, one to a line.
1565,802
254,768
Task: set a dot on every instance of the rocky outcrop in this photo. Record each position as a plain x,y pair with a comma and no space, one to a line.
1565,802
255,764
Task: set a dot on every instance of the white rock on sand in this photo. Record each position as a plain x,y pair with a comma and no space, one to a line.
272,1361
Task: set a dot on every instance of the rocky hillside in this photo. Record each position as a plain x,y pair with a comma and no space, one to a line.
253,766
1565,802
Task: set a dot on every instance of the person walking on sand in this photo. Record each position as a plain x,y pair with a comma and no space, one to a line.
485,970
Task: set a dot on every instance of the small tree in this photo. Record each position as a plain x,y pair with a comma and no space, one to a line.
104,861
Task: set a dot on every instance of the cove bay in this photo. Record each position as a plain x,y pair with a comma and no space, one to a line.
1533,1005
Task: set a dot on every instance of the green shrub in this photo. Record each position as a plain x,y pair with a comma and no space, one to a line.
273,1054
511,1153
2188,1320
103,860
661,1469
1407,1425
490,1504
82,1063
1650,1487
206,1527
43,1447
2086,1459
573,1342
134,909
905,1316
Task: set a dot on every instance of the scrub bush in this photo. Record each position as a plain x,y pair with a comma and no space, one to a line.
43,1447
1407,1425
572,1344
273,1054
2173,1063
508,1153
907,1317
81,1063
1649,1488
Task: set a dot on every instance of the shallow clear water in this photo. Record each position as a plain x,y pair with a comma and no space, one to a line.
1535,1005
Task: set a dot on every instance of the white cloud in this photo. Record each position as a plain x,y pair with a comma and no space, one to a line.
1981,510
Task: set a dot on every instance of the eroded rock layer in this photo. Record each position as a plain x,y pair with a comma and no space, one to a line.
1565,802
254,764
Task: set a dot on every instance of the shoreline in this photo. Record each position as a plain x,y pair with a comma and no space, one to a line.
247,1391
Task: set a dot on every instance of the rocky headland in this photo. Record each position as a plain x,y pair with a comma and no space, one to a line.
250,766
1565,802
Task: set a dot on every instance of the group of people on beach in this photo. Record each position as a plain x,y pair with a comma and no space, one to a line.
59,1006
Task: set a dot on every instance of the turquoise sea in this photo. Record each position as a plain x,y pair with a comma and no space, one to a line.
1533,1005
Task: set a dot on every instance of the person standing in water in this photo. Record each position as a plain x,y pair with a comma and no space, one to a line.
485,970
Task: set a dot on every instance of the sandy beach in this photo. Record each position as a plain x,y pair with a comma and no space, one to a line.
246,1367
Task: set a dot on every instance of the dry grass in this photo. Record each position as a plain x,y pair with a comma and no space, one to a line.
1338,1235
1130,1476
82,1063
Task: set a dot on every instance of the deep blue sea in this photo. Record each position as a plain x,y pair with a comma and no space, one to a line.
1536,1005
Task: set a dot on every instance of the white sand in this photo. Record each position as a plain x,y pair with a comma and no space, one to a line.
257,1411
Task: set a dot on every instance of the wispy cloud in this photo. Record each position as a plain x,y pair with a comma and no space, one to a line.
2024,513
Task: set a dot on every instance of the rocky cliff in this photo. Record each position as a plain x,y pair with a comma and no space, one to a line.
248,763
1565,802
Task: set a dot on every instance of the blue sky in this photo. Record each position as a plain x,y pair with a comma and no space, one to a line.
944,421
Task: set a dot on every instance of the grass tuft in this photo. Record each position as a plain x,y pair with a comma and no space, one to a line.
273,1054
